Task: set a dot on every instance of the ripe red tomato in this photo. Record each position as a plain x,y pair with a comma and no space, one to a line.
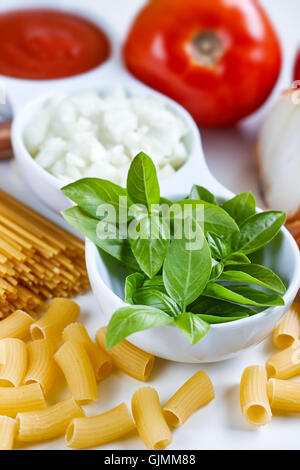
218,58
297,68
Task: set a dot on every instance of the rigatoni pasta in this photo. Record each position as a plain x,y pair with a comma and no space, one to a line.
74,361
16,325
284,395
14,362
42,367
17,399
2,354
192,395
60,313
253,396
98,430
128,358
286,363
101,361
49,423
7,432
288,330
150,422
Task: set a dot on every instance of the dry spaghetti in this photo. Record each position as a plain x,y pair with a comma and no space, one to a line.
38,259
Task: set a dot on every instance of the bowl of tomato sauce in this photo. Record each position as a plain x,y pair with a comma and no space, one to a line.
46,43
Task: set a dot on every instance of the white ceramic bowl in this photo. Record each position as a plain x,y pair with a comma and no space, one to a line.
224,340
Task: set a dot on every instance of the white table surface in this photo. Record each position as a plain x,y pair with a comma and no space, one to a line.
229,153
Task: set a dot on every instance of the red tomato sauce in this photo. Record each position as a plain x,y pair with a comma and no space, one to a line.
48,44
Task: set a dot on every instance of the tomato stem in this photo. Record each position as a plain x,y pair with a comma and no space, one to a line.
207,48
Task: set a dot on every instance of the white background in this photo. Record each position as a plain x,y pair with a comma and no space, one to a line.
229,153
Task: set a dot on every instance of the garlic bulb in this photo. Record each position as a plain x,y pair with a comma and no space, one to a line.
278,154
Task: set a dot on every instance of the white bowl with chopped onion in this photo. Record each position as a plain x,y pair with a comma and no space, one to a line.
91,132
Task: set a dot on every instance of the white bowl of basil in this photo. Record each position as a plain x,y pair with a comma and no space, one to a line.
171,297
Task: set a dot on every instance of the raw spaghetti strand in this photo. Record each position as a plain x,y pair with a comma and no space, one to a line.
38,259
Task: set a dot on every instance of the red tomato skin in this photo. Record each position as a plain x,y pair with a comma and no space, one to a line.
218,96
297,68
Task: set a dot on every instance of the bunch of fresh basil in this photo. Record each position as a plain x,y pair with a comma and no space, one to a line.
169,283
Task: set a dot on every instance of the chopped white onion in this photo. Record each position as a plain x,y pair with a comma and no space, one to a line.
88,134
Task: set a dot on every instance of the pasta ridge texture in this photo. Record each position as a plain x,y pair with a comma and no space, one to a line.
196,392
100,429
76,366
127,357
253,396
49,423
150,422
288,330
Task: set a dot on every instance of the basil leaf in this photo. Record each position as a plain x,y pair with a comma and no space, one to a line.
217,307
213,319
157,299
257,231
87,226
186,271
253,274
133,282
216,271
217,245
163,200
198,192
216,220
262,298
131,319
151,245
192,326
242,295
240,207
90,193
156,282
142,182
236,258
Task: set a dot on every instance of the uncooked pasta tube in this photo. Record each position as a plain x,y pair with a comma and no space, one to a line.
97,430
60,313
49,423
7,432
194,393
101,361
286,363
17,399
126,357
14,362
74,361
16,325
284,395
149,419
42,367
253,395
288,330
